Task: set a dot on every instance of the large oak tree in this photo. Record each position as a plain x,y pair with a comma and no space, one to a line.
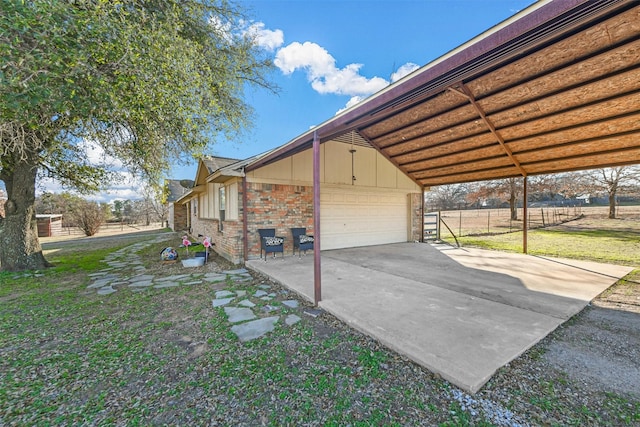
148,81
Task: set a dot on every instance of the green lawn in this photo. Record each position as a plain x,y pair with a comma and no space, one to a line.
609,246
167,357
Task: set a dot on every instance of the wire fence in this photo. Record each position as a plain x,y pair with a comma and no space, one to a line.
498,221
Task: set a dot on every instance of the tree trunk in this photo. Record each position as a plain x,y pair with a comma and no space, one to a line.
513,208
512,203
19,245
612,205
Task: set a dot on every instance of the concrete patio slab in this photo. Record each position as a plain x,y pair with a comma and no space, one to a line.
460,312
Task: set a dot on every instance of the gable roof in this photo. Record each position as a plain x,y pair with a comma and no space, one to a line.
215,163
176,188
206,167
555,88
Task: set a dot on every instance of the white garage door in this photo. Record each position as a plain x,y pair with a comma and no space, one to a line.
351,217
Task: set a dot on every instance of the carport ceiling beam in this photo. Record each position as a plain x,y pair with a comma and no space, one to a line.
463,90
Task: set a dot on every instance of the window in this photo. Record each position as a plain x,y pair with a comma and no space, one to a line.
222,200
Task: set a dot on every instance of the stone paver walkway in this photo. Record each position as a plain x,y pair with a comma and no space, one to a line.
249,319
245,314
126,270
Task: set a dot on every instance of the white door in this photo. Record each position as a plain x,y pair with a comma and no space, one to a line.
354,217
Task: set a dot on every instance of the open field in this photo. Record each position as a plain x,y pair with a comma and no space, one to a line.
168,357
591,236
496,221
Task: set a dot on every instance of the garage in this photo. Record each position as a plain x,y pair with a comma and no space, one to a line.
362,217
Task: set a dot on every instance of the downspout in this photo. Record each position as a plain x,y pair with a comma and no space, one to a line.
317,276
245,242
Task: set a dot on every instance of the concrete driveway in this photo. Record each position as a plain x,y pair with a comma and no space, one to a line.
460,312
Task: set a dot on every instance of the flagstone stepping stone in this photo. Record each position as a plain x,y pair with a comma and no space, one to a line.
238,271
313,312
259,293
141,284
292,319
99,273
255,329
224,294
99,283
167,285
193,282
269,308
266,298
175,277
106,290
241,293
291,303
119,283
215,277
246,303
264,286
238,314
118,264
222,301
141,277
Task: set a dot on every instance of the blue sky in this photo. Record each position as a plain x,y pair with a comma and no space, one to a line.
329,54
330,51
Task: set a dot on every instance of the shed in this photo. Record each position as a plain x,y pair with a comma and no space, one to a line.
49,225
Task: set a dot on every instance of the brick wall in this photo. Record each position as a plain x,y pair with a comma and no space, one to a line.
226,242
178,217
277,206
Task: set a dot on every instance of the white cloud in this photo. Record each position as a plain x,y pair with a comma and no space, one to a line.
267,39
322,72
309,56
96,155
326,78
353,101
404,70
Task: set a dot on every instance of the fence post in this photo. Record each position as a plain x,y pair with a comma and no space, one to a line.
542,214
488,222
460,224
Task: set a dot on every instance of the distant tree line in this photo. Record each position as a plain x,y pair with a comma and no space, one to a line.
89,215
611,184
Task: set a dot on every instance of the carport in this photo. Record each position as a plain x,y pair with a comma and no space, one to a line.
555,88
461,313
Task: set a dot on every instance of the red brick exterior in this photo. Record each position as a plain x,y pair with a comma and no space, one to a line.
178,217
276,206
226,242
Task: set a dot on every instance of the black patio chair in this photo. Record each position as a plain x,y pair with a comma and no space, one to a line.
270,243
301,241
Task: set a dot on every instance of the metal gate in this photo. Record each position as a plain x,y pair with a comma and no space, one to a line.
431,224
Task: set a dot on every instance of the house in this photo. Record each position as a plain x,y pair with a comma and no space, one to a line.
177,214
365,199
552,89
